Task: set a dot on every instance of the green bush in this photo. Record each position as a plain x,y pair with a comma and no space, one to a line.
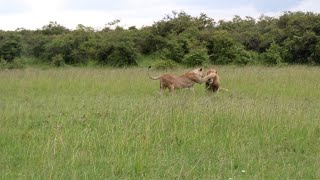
60,45
273,55
165,64
175,50
10,48
58,60
197,57
252,57
118,54
79,56
222,48
296,37
68,48
2,64
14,64
244,57
315,56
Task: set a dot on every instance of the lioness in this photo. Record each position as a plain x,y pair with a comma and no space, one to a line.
187,80
213,84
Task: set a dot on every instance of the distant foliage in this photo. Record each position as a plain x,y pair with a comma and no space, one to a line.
118,54
58,60
14,64
315,56
292,38
53,28
221,47
165,64
273,55
174,50
10,47
197,57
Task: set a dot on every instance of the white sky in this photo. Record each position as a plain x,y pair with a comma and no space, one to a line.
34,14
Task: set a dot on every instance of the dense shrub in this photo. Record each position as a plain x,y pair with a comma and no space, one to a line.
59,45
293,38
165,64
10,48
197,57
273,55
38,47
175,50
58,60
315,56
14,64
118,54
244,57
69,48
298,49
221,48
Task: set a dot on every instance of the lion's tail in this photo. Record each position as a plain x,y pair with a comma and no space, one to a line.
153,78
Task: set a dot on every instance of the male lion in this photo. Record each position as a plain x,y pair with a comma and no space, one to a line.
213,84
187,80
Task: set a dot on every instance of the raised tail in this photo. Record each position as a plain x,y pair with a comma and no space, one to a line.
153,78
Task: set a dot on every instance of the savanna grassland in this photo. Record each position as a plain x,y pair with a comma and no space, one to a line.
97,123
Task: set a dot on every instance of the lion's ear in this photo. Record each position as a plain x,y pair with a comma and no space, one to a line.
200,69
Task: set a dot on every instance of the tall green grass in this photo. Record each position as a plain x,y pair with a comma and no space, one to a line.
84,123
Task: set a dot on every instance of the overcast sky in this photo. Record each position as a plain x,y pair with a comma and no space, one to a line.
33,14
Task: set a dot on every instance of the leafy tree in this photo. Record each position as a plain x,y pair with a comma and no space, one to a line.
315,56
197,57
37,45
10,47
251,41
59,45
221,47
300,48
58,60
53,28
273,55
165,64
179,37
175,50
118,54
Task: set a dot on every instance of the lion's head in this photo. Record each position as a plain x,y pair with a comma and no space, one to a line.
211,71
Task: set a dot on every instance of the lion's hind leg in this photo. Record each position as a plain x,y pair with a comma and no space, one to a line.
162,88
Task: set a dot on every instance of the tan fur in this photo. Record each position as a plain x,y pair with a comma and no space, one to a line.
187,80
213,84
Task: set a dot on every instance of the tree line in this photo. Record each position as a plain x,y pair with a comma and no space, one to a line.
179,38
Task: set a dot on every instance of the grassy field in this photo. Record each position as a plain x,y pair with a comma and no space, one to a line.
90,123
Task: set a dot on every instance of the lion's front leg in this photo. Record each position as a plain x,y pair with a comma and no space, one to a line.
171,89
206,78
191,88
